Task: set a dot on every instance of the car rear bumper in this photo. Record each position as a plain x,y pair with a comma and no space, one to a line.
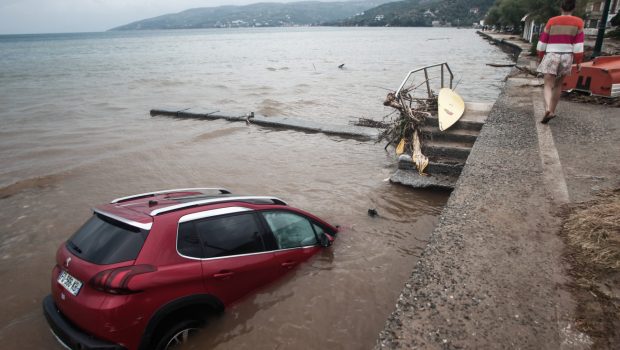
68,335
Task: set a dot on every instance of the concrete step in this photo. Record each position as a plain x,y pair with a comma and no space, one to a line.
436,165
453,150
462,124
474,117
447,150
412,178
465,136
444,167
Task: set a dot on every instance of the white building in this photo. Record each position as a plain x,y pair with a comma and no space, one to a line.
530,28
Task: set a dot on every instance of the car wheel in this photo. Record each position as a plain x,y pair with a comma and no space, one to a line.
177,335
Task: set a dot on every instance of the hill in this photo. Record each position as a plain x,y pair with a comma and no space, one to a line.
257,15
421,13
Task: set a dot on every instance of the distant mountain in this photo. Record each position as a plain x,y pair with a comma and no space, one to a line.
421,13
257,15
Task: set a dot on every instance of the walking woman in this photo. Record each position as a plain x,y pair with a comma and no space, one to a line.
559,46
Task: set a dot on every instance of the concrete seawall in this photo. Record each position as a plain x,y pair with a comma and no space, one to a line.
492,276
507,45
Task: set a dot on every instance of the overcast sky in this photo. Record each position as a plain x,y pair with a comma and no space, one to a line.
62,16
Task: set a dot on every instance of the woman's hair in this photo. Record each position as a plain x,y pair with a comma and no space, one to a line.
568,5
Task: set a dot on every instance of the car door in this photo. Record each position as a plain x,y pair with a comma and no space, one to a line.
235,259
296,237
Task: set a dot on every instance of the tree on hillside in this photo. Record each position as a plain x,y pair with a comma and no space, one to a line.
510,12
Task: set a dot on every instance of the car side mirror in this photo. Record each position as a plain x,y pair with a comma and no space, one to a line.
324,241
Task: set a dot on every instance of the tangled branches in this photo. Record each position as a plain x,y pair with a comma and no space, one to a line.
406,127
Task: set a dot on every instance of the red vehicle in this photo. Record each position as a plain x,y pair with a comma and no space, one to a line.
145,271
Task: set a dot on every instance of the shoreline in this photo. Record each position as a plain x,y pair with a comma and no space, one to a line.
493,274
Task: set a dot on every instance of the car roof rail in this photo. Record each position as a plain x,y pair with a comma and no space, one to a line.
152,194
248,199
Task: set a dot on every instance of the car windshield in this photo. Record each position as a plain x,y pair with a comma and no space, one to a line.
104,241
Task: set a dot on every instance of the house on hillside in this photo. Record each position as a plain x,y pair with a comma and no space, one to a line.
429,13
594,12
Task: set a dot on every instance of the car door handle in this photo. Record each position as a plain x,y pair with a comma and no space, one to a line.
289,264
223,275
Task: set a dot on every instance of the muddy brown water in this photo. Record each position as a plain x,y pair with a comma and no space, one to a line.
339,299
75,133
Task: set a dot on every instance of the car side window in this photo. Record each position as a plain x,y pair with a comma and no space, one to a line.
230,235
290,230
318,229
188,243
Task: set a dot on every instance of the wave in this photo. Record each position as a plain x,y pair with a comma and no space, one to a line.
271,107
207,136
39,182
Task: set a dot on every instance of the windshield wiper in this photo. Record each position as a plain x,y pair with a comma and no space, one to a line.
74,247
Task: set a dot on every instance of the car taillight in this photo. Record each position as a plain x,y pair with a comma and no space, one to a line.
116,281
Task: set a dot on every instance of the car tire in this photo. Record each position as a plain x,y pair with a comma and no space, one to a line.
176,334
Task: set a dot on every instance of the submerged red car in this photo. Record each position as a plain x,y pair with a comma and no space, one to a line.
145,271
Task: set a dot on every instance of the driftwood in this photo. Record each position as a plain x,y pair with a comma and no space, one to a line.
406,127
371,123
527,70
576,96
521,70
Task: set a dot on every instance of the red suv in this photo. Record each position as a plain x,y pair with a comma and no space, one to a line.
147,270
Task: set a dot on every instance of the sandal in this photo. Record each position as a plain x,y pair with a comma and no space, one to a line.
547,118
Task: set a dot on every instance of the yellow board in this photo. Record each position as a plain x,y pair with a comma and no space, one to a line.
400,149
451,108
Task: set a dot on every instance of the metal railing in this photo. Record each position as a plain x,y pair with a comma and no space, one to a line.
151,194
427,80
248,199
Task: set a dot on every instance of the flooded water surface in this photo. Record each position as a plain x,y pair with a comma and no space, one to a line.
75,133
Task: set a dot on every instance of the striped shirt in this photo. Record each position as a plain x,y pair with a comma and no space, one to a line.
562,34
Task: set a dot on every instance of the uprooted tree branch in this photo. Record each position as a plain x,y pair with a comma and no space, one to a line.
404,126
407,125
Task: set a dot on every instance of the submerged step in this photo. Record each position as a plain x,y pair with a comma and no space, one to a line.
305,125
436,165
413,179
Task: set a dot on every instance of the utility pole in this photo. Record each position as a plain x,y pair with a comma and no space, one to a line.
601,30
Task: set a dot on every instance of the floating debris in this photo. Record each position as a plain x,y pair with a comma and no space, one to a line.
406,127
501,65
371,123
412,112
577,96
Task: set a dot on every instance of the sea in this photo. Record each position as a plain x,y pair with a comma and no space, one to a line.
75,132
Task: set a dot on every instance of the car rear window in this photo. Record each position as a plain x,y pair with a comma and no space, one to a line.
104,241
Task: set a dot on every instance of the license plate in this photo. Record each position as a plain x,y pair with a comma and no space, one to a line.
70,283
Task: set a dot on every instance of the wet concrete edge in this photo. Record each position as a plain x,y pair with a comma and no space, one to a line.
345,131
513,49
